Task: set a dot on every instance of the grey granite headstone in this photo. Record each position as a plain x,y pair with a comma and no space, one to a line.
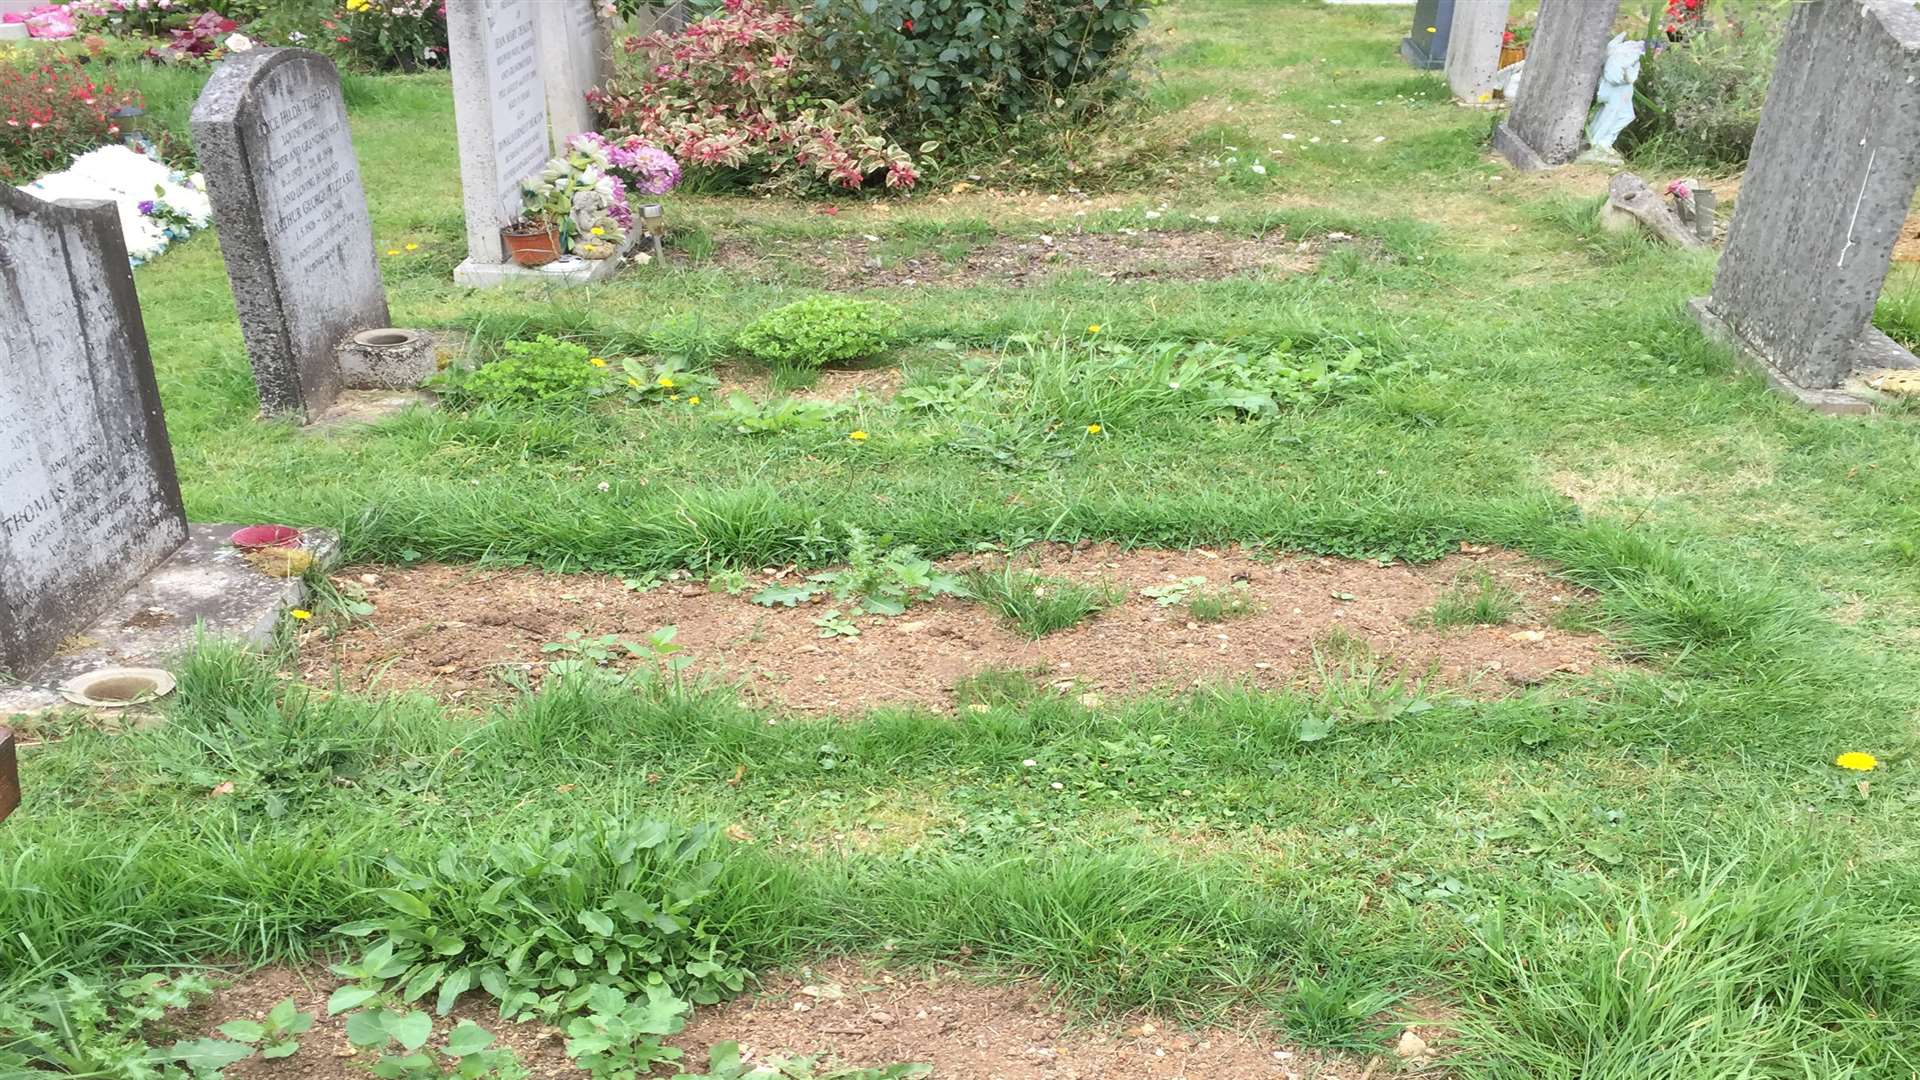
1425,46
1547,126
89,501
500,113
271,129
573,54
1834,167
1473,48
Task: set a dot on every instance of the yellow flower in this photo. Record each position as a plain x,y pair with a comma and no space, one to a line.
673,397
301,614
597,362
358,5
857,436
1094,429
1857,761
665,382
597,231
1094,329
393,251
413,246
694,400
633,382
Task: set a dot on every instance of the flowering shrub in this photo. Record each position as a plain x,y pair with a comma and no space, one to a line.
199,38
820,330
403,34
51,112
723,93
926,63
1699,98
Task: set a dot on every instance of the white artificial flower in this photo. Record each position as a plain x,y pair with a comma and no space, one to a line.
238,43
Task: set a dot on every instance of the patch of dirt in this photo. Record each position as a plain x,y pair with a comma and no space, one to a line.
1136,255
834,383
842,1012
1907,248
455,631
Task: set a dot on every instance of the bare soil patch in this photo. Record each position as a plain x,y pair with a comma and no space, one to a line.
457,631
1137,255
841,1012
1907,248
834,384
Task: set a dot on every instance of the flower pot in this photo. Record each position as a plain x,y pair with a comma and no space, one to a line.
1512,54
534,247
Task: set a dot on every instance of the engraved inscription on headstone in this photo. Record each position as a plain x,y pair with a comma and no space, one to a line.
500,112
271,128
89,502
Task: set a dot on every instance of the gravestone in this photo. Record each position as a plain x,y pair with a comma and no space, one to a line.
1834,167
573,48
9,775
1547,126
271,130
1426,46
89,502
1473,48
500,113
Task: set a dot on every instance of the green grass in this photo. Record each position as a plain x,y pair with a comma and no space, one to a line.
1034,603
1220,605
1480,602
1650,872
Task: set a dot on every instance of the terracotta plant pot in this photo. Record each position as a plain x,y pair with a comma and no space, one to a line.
532,247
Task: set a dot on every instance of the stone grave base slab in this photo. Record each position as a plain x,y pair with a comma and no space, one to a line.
480,275
207,586
1415,54
352,408
1877,352
1516,150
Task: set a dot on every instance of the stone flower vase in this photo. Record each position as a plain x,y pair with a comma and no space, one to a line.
531,245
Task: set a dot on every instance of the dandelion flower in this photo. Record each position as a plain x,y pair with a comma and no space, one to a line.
598,361
694,400
1094,329
857,436
412,246
1094,429
301,614
393,251
665,382
1857,761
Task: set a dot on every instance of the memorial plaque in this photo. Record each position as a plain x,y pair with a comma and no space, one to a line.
271,129
500,112
89,502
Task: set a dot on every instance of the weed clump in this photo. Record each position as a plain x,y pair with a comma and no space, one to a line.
1480,602
543,372
1036,604
820,330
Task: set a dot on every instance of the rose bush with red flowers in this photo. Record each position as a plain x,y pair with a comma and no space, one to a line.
51,111
725,94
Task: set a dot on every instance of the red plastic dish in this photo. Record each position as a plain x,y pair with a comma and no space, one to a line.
256,537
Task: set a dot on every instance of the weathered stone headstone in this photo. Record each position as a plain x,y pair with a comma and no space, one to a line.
573,54
1547,126
9,775
89,501
1473,48
500,112
1834,167
1425,47
271,129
